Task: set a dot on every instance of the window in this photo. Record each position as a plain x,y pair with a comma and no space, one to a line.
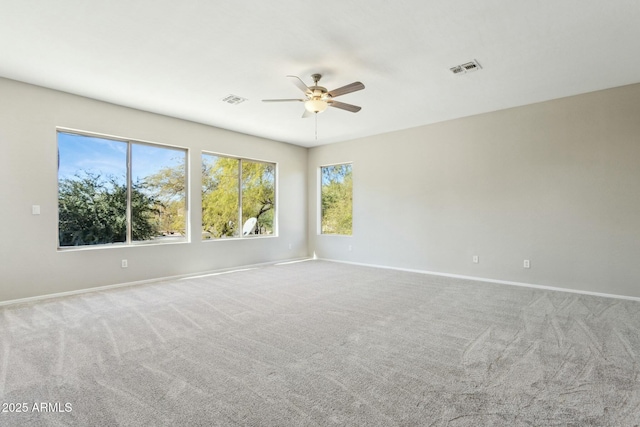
336,195
119,192
238,197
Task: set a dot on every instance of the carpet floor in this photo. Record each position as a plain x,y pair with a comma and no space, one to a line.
318,344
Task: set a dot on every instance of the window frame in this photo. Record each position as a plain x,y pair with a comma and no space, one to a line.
129,242
240,236
319,200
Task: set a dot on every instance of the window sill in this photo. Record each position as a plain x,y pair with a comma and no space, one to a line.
227,239
119,245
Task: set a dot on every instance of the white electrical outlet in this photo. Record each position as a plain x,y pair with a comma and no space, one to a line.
350,248
290,245
476,259
125,264
526,264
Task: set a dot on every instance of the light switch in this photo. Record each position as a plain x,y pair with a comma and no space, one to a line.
35,210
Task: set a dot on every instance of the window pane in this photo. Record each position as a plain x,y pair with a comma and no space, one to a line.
220,197
336,191
158,193
92,195
258,197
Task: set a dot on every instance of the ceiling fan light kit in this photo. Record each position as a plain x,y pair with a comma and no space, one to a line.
316,105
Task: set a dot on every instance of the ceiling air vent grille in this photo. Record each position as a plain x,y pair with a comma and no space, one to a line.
467,67
234,99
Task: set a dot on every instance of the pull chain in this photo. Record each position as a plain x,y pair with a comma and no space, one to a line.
316,114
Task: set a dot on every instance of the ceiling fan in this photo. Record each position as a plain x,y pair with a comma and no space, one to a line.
317,98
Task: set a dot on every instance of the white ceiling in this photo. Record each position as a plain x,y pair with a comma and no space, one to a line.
181,58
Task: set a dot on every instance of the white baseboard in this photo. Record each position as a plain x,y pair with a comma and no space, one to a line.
483,279
147,281
294,260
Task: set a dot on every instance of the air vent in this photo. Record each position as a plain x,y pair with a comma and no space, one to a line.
466,68
470,66
234,99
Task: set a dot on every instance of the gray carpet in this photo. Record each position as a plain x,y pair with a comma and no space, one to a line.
320,344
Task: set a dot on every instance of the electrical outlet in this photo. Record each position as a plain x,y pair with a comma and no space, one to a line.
526,264
125,264
350,248
290,246
476,259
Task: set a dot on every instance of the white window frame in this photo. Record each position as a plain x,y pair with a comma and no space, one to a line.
319,200
128,242
240,222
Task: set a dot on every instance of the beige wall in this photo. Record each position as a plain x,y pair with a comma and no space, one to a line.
30,263
557,183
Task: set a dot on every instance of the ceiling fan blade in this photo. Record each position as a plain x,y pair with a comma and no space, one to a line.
299,83
307,114
344,106
346,89
282,100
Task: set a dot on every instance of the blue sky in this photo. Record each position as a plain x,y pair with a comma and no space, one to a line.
109,157
334,173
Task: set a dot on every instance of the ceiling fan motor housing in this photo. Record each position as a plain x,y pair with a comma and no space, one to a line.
318,92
